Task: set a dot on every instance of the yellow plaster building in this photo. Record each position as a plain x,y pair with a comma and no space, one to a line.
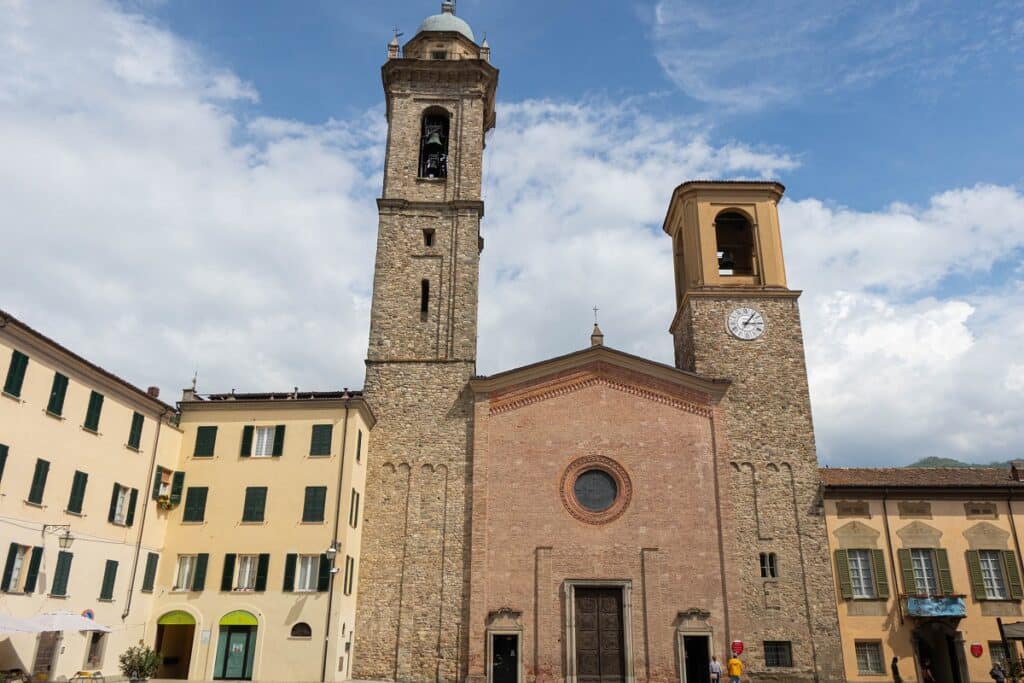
926,561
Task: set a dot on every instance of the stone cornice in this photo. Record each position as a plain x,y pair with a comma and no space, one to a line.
721,292
720,190
358,403
471,72
390,206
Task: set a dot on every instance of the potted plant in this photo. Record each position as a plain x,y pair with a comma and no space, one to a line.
139,663
164,502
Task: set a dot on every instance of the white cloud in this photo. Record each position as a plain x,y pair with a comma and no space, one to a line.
158,230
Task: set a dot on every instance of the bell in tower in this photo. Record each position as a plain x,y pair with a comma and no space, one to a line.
434,147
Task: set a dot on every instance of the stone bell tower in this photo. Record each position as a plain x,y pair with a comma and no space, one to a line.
440,91
736,318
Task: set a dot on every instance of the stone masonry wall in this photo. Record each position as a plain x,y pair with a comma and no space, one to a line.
771,485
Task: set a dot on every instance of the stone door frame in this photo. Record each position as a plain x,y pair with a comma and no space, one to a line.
489,651
693,622
570,586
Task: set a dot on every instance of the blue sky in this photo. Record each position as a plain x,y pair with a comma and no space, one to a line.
189,187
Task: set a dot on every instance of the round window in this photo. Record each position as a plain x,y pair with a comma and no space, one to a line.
595,490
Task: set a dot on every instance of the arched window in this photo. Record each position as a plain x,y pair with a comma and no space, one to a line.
734,236
434,144
302,630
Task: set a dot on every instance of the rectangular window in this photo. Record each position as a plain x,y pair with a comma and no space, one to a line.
77,497
778,653
869,657
923,562
424,299
119,504
428,238
309,568
61,574
997,651
255,503
264,445
92,413
992,574
58,391
195,504
350,574
135,432
245,579
359,445
769,566
109,577
15,568
206,440
313,506
185,577
353,510
149,575
3,459
16,374
320,444
861,576
94,653
35,491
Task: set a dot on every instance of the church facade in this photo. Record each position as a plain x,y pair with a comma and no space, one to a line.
596,516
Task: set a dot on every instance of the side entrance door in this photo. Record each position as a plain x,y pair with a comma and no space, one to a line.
599,635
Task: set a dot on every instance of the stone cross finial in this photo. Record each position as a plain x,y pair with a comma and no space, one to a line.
448,7
597,336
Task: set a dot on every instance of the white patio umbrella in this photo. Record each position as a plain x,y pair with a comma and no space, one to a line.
66,621
9,624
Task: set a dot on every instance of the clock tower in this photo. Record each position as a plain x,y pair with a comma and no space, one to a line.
736,318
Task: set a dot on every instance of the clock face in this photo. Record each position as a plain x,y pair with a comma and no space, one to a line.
746,323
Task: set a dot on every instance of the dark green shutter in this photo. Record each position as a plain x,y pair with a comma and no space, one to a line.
255,504
843,574
907,570
350,574
945,576
61,573
195,504
58,391
353,513
289,572
879,574
12,554
133,498
32,575
3,460
320,443
109,576
16,373
262,567
313,506
278,441
359,444
227,575
135,433
35,492
112,512
92,414
149,576
177,484
77,497
323,579
246,441
157,481
1013,581
974,572
206,442
199,582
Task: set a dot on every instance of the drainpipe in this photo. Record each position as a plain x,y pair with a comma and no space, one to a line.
892,557
334,540
142,521
1013,527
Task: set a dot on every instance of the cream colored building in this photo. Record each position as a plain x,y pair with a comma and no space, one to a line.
78,448
926,561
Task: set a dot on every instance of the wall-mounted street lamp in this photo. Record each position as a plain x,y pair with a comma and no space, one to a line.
63,539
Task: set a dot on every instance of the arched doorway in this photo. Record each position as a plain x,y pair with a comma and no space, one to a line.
175,632
942,646
236,646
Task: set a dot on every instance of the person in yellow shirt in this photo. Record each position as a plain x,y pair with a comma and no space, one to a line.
735,667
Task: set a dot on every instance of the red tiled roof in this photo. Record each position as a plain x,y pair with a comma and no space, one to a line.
918,477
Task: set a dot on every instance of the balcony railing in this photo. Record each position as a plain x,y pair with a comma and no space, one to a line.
935,606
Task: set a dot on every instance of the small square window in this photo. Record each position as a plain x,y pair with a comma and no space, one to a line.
869,657
778,653
439,54
769,566
428,238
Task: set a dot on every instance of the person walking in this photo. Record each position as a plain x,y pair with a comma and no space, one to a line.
998,673
926,672
895,668
716,669
735,667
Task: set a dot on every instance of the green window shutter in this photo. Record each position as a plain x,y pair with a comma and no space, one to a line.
907,570
359,445
278,441
353,513
135,433
323,579
945,576
109,577
177,484
35,492
3,460
92,414
320,443
195,504
206,442
61,573
246,441
58,391
112,512
1013,581
262,567
313,506
879,574
289,572
149,576
77,497
227,575
157,480
12,554
32,575
133,498
199,581
16,373
255,504
350,574
974,572
843,574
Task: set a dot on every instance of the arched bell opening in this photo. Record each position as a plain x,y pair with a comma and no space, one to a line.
434,144
734,236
